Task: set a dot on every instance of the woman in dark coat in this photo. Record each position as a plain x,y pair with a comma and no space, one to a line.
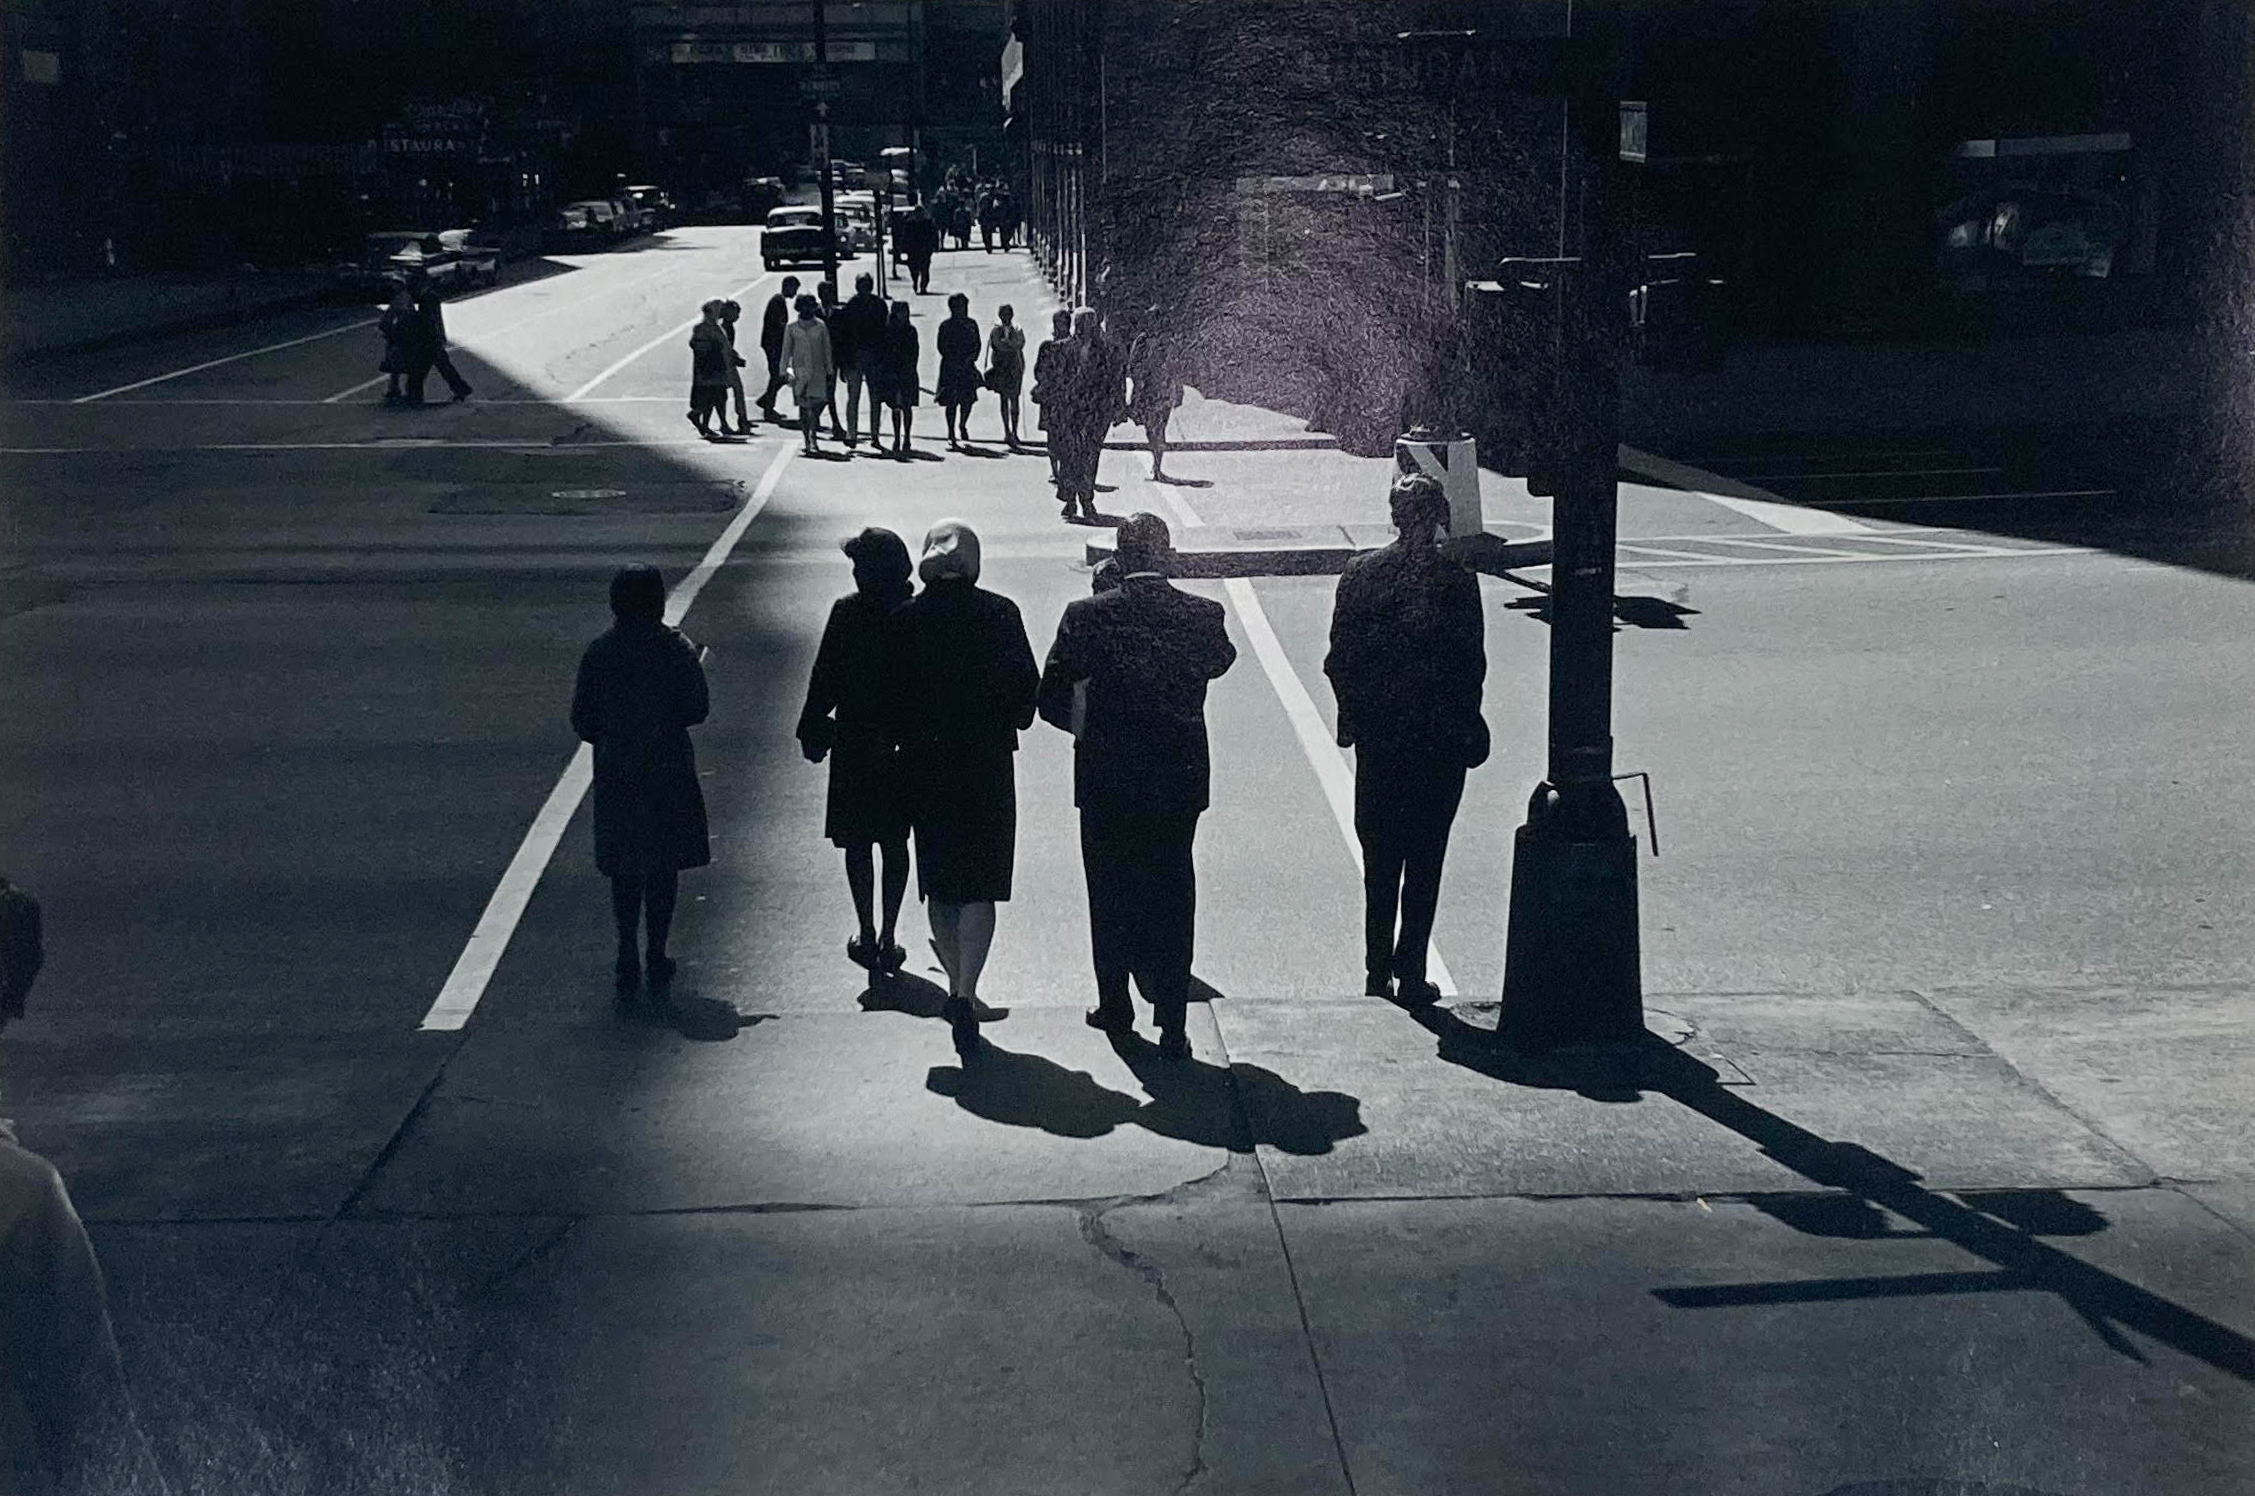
963,666
848,719
640,691
897,374
957,389
1157,384
394,325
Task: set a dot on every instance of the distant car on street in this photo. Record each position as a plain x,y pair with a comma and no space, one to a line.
446,260
762,195
2022,228
653,205
847,174
588,223
793,236
857,219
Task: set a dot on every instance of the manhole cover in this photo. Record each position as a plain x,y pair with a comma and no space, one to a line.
588,493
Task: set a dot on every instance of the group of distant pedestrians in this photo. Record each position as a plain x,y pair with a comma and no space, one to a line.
916,701
414,332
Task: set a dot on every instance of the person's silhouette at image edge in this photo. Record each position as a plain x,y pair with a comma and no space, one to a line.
66,1417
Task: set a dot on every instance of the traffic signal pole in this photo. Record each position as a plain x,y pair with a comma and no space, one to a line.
1572,970
821,143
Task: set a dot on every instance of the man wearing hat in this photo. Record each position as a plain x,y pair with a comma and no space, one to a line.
1127,677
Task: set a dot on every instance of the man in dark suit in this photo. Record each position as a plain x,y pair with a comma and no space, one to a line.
1408,660
1127,677
772,322
857,336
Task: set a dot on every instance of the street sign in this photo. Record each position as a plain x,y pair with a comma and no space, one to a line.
822,84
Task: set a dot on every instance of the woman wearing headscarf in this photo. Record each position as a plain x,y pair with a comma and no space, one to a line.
1051,376
959,657
807,364
1006,368
640,691
896,375
957,389
847,719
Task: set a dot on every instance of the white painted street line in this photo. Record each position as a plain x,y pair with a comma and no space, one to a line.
1984,553
395,444
142,384
458,999
1324,755
473,340
1970,498
1797,550
1757,504
1892,473
672,332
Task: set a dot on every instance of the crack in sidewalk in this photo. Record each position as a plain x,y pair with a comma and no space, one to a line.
1090,1214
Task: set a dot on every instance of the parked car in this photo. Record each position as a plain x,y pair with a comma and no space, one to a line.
2027,228
655,206
793,236
604,221
447,259
847,174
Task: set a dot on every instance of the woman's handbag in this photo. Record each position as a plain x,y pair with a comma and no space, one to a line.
996,379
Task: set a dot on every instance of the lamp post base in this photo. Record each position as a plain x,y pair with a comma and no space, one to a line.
1572,970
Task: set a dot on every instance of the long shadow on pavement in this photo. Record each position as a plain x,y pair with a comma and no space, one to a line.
2006,1237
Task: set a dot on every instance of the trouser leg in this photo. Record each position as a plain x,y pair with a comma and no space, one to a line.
1108,866
452,375
1170,915
1426,848
626,915
1378,829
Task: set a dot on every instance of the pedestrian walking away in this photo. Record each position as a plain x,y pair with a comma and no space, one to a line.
429,350
807,363
1127,678
959,657
848,720
66,1416
1407,664
730,313
826,297
857,342
1006,368
1092,400
708,370
957,387
640,690
398,333
773,323
897,376
1050,379
1156,383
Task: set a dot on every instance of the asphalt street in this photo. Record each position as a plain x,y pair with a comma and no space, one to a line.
1944,1186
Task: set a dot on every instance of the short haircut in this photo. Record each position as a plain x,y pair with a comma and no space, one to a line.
1417,499
638,592
807,306
864,282
1142,542
958,302
881,567
790,284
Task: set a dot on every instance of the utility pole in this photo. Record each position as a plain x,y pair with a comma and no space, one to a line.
820,139
1571,965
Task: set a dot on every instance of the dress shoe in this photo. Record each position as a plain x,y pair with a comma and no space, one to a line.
1174,1044
1110,1020
661,970
859,953
963,1026
1377,987
1418,992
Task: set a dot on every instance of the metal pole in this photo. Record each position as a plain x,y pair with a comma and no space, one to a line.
1571,965
822,152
